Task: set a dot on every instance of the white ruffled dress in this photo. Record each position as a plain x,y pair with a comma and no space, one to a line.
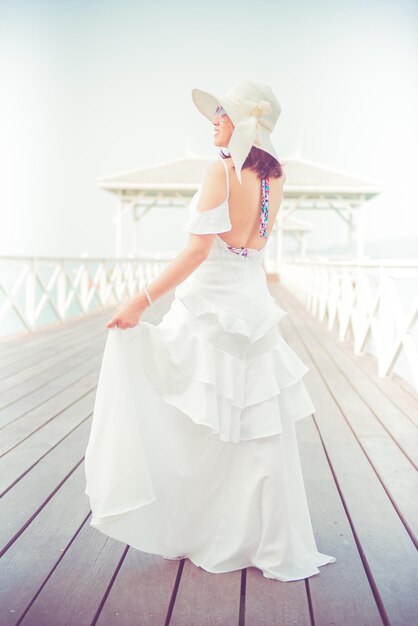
193,449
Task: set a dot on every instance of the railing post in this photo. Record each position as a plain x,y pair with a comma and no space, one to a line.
84,288
102,287
61,291
30,295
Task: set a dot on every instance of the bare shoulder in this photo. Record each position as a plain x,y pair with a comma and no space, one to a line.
213,191
215,170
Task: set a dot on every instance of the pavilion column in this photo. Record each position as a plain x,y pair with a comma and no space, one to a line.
118,228
360,232
302,241
350,239
134,232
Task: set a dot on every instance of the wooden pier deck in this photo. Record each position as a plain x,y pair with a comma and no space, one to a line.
359,453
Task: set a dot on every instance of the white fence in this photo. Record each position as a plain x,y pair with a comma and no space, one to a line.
374,303
35,291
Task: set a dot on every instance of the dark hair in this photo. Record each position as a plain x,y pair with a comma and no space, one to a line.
261,162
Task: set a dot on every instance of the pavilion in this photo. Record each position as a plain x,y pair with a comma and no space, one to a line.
309,185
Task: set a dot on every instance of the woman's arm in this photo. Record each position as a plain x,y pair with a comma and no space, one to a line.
128,313
178,269
195,252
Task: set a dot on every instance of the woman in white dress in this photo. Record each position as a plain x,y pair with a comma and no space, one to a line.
193,451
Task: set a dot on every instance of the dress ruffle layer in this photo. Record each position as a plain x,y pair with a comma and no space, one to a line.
251,329
237,398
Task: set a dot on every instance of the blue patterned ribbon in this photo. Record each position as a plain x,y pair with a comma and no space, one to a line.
243,251
264,214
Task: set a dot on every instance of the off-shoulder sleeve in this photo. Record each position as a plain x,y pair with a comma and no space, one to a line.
211,221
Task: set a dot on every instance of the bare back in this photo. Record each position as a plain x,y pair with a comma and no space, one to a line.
244,208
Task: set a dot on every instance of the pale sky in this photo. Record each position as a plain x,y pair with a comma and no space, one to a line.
92,88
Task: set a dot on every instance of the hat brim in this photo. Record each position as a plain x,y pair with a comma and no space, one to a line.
207,104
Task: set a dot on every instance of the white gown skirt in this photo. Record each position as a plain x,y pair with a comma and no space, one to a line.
193,449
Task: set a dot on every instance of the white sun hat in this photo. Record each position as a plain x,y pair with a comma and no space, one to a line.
254,111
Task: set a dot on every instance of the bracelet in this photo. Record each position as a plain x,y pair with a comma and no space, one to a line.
145,290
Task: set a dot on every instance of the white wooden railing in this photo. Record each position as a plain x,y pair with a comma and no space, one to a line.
374,303
39,290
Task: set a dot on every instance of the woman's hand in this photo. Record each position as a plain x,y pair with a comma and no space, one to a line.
127,314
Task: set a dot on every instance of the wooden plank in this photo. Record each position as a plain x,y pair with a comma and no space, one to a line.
341,589
27,498
48,347
18,431
27,361
141,591
20,459
395,470
28,563
76,587
33,378
388,553
11,344
204,598
86,381
273,603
